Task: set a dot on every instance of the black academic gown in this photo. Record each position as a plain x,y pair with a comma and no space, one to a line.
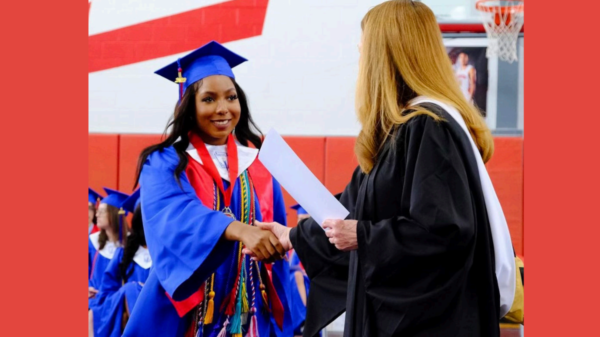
425,259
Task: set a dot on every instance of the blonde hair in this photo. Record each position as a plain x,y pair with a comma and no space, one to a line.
403,56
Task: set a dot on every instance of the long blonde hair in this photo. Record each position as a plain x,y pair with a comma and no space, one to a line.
403,56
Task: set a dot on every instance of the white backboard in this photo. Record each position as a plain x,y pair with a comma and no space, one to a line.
454,11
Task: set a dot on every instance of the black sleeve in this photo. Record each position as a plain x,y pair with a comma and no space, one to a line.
326,266
408,260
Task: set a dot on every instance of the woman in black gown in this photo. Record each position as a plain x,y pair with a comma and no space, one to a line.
425,250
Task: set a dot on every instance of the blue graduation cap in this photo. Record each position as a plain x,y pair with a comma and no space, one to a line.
299,209
117,199
210,59
132,202
114,198
93,196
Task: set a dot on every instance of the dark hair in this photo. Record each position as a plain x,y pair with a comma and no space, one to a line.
184,120
113,221
134,241
92,207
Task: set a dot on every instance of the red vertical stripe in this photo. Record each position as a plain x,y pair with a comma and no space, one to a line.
44,136
562,169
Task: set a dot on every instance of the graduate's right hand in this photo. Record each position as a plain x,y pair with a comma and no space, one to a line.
92,292
281,232
263,244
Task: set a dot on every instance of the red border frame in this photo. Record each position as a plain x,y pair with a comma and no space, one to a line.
45,102
45,179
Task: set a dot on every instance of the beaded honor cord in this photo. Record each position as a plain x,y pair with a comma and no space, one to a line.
237,305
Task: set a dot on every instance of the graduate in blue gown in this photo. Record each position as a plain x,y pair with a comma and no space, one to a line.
123,278
94,199
299,283
299,286
202,190
103,244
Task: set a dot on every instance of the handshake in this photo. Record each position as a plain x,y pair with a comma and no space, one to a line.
266,242
269,241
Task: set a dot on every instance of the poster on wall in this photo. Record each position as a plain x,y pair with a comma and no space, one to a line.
471,69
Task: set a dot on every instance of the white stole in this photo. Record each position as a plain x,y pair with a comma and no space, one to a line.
503,249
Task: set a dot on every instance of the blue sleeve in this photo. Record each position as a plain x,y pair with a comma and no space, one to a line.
90,258
108,308
111,281
183,235
108,311
280,270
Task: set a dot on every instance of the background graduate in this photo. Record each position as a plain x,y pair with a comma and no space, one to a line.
103,244
94,199
201,190
123,278
299,283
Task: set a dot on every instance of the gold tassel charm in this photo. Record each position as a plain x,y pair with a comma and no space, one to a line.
180,79
208,319
210,310
264,296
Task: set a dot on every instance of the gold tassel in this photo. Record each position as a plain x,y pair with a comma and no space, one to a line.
264,296
208,319
236,335
210,309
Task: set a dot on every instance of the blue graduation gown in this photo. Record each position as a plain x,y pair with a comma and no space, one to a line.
114,291
90,256
90,259
98,261
184,239
298,308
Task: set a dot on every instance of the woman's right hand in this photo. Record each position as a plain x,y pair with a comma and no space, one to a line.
263,244
282,233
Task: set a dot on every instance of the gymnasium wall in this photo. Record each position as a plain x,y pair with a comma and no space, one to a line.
113,159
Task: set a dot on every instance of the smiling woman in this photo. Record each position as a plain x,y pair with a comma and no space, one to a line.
212,108
202,188
217,108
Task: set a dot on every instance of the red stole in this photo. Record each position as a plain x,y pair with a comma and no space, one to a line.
204,186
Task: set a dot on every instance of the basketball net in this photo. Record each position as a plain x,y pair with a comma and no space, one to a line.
503,20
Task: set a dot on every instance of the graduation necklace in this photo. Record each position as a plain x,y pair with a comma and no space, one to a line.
211,169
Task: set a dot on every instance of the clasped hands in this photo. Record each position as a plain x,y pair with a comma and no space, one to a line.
269,241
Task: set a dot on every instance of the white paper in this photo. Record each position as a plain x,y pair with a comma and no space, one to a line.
277,156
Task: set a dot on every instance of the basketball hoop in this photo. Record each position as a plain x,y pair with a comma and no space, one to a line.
503,21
